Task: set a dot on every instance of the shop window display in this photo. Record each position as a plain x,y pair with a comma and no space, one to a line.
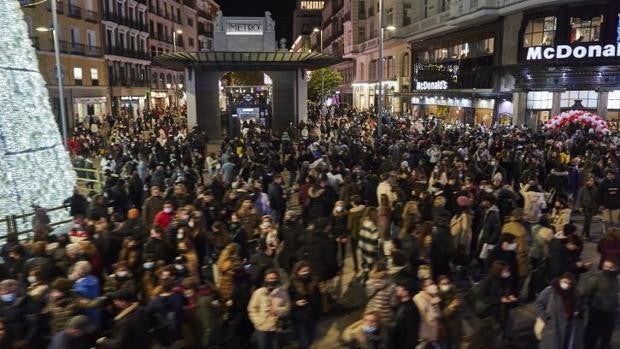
613,110
589,99
540,32
539,105
585,30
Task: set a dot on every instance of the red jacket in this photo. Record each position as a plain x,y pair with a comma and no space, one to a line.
163,219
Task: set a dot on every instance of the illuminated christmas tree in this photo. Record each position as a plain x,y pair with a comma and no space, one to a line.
35,169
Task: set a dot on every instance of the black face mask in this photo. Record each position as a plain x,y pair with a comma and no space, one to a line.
610,274
271,285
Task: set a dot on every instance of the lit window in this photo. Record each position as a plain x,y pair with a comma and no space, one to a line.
94,76
614,100
539,100
77,76
589,99
585,30
539,32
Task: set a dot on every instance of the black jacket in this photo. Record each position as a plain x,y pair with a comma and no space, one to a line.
320,251
129,330
404,334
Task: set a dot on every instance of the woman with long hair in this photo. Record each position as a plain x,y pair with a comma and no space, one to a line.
306,304
384,217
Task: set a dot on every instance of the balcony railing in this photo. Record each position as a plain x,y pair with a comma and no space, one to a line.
113,17
205,14
76,48
74,11
124,52
90,16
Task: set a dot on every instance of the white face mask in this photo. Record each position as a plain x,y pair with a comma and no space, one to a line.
565,285
122,273
512,247
505,274
168,210
190,224
445,288
179,236
32,279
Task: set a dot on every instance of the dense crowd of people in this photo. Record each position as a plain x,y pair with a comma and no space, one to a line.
448,228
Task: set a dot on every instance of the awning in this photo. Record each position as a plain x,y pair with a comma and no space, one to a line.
280,60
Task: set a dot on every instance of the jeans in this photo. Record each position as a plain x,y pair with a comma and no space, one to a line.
305,334
267,340
587,223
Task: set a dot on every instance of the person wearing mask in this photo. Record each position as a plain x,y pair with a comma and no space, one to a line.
267,307
339,230
542,234
404,333
277,199
451,312
561,310
560,215
442,246
371,334
158,246
587,202
13,311
506,251
228,265
369,240
73,336
609,192
306,304
165,314
165,217
609,245
428,303
494,296
601,292
490,228
289,232
129,323
514,226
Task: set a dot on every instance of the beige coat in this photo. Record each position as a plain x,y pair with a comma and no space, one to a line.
430,316
518,230
266,308
559,218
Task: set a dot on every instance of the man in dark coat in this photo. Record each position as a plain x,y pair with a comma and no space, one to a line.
74,336
290,233
277,199
152,205
129,328
404,333
320,251
77,203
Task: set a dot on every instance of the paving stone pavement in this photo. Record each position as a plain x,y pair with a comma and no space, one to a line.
352,299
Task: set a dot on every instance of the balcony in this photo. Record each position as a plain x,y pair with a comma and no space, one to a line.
74,48
90,16
74,11
204,32
205,14
124,52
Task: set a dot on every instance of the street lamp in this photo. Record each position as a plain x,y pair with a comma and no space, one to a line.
174,38
380,67
61,95
318,30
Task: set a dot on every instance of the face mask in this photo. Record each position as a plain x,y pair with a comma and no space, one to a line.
122,274
339,209
185,217
271,285
32,279
445,288
8,297
179,267
179,236
369,329
304,276
190,224
505,274
610,273
432,289
168,210
148,265
512,247
565,285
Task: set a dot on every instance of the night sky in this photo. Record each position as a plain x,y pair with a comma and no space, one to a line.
281,11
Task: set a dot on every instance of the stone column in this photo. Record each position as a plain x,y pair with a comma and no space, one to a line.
603,98
519,104
285,99
555,107
203,102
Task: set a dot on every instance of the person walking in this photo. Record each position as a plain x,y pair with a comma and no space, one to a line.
609,192
601,292
404,333
369,240
587,202
268,306
306,306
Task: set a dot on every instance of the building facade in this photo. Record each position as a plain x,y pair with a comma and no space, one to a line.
126,51
83,67
206,13
307,16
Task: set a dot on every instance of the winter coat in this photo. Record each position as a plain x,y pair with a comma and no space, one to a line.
430,316
533,204
276,197
461,231
159,249
516,228
227,269
381,296
369,242
561,260
129,329
587,199
339,224
311,312
386,188
63,309
491,228
559,218
317,206
290,232
320,251
442,251
601,292
404,333
609,192
550,308
62,340
88,287
541,237
451,317
354,220
261,302
165,313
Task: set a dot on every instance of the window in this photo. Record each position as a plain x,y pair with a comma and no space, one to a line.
94,76
540,32
372,74
361,33
408,16
614,100
362,72
405,65
77,76
191,42
589,99
585,30
311,5
538,100
190,22
91,38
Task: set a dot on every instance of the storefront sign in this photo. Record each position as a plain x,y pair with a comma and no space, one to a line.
248,97
578,52
159,94
90,100
431,85
244,28
131,98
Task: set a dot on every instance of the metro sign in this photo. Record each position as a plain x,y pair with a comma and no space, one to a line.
244,28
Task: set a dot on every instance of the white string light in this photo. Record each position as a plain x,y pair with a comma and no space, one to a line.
35,169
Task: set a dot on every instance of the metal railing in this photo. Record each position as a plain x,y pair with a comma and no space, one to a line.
90,16
90,178
74,11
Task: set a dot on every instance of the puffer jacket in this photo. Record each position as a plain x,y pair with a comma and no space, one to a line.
381,295
261,302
